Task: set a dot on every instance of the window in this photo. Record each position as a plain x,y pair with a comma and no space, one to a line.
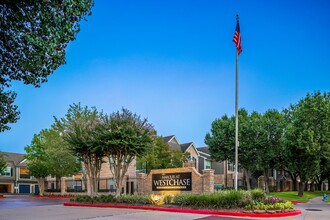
194,160
207,164
230,166
111,185
24,173
6,172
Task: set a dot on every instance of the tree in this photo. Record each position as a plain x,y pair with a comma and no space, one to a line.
78,128
48,154
268,141
307,136
34,36
123,136
160,156
247,154
8,111
221,142
3,162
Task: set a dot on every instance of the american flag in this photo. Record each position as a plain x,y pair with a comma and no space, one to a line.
237,39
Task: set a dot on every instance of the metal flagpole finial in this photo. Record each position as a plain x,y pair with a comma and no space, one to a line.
237,17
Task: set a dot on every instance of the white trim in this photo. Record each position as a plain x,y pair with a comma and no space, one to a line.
176,140
24,160
192,144
205,158
201,152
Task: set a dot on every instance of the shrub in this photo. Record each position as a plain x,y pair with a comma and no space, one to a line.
272,188
133,199
168,199
219,199
257,194
53,190
227,188
83,198
75,190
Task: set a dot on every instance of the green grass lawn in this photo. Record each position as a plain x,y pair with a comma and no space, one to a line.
293,196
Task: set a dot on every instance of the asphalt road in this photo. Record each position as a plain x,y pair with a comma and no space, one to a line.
27,207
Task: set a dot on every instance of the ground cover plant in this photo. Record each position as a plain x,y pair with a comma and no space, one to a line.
227,199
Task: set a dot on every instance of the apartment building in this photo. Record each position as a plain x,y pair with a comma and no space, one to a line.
16,178
223,171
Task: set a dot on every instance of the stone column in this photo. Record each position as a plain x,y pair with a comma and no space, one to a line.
140,177
208,180
63,185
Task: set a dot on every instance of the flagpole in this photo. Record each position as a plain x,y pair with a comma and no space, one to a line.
236,116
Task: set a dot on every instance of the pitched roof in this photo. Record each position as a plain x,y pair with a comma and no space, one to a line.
168,138
204,152
204,149
185,146
13,157
173,145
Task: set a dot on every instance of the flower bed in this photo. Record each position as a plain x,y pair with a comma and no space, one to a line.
254,201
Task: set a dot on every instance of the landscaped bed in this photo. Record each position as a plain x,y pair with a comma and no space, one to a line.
55,196
248,202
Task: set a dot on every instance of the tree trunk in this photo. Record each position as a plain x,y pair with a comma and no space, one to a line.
119,169
41,183
266,181
319,186
247,179
328,183
225,168
301,188
306,186
312,188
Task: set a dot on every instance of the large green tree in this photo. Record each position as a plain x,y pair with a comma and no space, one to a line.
123,136
79,131
308,136
48,154
221,142
268,141
34,36
160,156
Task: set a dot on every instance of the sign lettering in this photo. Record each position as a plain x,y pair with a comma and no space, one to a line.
171,181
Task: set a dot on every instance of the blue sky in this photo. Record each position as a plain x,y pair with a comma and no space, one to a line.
173,62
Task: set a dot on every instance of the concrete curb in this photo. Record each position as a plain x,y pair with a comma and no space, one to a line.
193,211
